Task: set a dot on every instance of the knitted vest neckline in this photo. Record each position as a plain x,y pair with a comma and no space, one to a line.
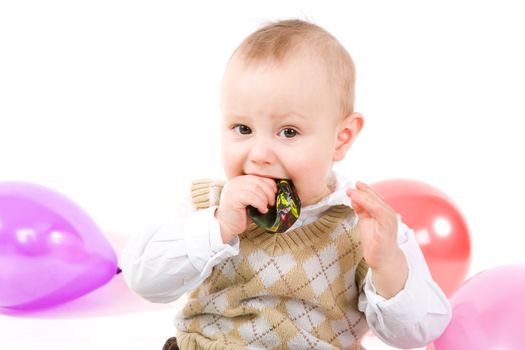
306,235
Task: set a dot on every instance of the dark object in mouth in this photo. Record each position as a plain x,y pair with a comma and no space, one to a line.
283,214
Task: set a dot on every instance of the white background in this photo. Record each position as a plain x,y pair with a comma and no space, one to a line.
115,104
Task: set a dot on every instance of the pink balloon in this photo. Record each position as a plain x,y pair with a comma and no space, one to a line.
51,251
488,312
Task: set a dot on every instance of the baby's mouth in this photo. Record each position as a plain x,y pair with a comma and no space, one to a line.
262,175
275,178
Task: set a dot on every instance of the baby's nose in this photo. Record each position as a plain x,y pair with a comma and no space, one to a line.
262,152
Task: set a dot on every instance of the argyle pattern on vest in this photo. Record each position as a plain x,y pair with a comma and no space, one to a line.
293,290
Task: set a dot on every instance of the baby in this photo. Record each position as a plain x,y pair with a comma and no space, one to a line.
345,265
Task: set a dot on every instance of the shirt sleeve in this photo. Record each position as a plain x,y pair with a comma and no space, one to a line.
177,256
415,316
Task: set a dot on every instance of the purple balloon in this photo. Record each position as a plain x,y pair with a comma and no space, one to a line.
51,251
488,312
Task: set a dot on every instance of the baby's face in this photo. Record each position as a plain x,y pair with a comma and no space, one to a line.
280,121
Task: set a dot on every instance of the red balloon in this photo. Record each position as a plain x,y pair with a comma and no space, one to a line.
439,227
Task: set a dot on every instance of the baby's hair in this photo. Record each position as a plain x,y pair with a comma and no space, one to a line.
276,41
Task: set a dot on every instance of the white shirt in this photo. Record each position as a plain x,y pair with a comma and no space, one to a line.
179,255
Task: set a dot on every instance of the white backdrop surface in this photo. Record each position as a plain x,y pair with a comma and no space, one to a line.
115,105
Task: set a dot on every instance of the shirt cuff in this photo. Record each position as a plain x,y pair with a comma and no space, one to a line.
396,307
202,235
409,305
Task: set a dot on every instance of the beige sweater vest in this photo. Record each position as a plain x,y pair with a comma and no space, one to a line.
294,290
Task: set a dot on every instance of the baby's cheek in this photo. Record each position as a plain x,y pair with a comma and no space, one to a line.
232,164
231,170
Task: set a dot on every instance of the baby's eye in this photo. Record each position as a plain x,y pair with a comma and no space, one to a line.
242,129
288,132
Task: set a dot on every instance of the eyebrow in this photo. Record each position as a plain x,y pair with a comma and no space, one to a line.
274,116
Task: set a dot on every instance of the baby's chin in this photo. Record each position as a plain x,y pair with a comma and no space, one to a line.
311,198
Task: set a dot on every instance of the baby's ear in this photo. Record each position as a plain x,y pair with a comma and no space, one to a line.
348,130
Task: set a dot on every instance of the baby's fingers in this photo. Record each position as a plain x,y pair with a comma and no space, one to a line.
269,187
255,197
364,187
263,185
366,200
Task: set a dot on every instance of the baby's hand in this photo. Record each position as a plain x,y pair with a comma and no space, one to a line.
378,230
237,194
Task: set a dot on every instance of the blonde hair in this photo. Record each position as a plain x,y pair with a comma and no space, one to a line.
279,40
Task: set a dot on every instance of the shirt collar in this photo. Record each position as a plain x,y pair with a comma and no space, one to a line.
339,184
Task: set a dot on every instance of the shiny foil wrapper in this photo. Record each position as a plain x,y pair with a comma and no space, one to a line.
281,216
